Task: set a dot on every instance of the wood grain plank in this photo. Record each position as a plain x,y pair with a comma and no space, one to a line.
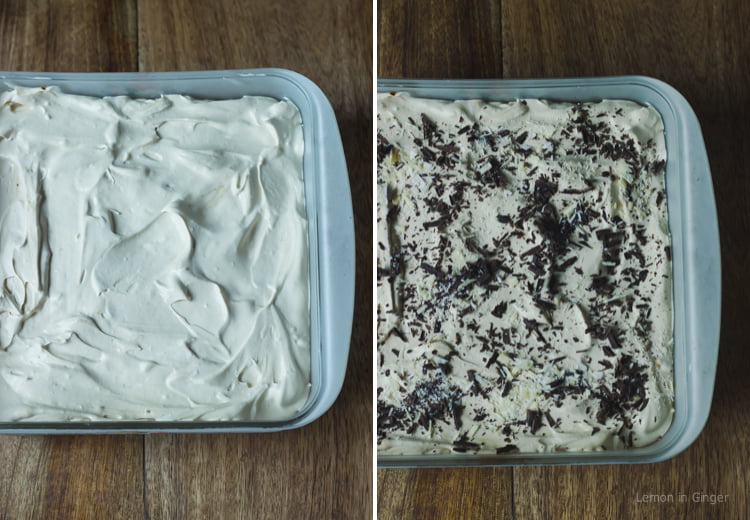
68,35
94,477
443,493
439,39
70,476
700,48
22,475
323,470
250,476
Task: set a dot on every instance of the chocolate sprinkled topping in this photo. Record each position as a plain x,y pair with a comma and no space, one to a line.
514,259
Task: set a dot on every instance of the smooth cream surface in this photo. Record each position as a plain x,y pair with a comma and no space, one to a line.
524,276
153,258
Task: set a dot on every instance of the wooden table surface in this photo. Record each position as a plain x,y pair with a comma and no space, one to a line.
323,470
702,49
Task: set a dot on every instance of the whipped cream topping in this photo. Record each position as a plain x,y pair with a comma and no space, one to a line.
524,276
153,258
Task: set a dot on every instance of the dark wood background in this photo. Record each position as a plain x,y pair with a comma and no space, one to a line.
323,470
703,49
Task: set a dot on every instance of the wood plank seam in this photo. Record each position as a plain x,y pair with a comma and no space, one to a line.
145,474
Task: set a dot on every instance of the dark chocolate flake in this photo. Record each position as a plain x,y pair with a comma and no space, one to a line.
534,420
392,213
462,445
439,223
543,190
602,285
574,191
494,175
492,359
384,148
500,309
428,155
658,166
504,219
612,338
437,273
429,129
567,263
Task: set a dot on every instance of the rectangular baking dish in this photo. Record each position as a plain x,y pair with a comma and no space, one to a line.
329,212
695,255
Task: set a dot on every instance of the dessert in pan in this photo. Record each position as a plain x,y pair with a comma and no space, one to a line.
153,259
524,299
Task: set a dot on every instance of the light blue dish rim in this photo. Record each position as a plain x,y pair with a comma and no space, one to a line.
330,226
696,259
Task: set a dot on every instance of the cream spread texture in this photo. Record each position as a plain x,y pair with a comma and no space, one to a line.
524,298
153,258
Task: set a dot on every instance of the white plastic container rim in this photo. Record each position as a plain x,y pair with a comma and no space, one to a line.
695,255
330,225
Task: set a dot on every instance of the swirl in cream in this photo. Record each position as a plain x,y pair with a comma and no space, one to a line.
154,258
